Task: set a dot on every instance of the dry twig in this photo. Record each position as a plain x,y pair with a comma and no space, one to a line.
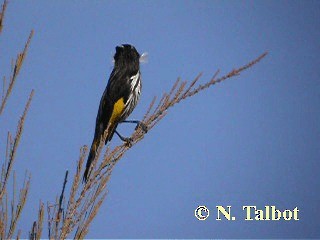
16,69
3,10
36,230
16,208
11,206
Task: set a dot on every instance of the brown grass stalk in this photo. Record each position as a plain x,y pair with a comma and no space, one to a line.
13,147
15,72
37,226
11,206
16,208
9,218
3,10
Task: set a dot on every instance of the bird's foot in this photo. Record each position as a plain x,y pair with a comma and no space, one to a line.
128,141
143,126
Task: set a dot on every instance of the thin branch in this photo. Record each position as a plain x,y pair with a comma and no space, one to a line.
16,69
72,206
10,210
17,208
13,150
60,209
2,13
37,226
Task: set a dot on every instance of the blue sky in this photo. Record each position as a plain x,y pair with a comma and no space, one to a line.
252,140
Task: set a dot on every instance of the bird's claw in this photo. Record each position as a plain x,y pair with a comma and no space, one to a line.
128,141
143,126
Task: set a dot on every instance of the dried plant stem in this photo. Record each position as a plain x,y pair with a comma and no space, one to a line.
3,10
13,148
11,206
16,208
36,230
16,69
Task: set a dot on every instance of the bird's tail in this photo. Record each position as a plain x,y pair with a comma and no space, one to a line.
92,155
93,150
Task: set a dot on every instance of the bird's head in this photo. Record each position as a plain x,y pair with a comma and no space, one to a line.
126,54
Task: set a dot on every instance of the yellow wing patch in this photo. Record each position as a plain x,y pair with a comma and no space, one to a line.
117,110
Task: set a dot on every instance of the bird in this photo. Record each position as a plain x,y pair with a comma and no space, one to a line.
119,98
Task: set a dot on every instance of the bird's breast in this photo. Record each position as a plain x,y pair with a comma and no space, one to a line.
118,109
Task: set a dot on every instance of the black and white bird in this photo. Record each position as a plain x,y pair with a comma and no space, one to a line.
119,98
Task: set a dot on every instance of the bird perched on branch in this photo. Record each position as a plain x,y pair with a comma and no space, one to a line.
118,100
